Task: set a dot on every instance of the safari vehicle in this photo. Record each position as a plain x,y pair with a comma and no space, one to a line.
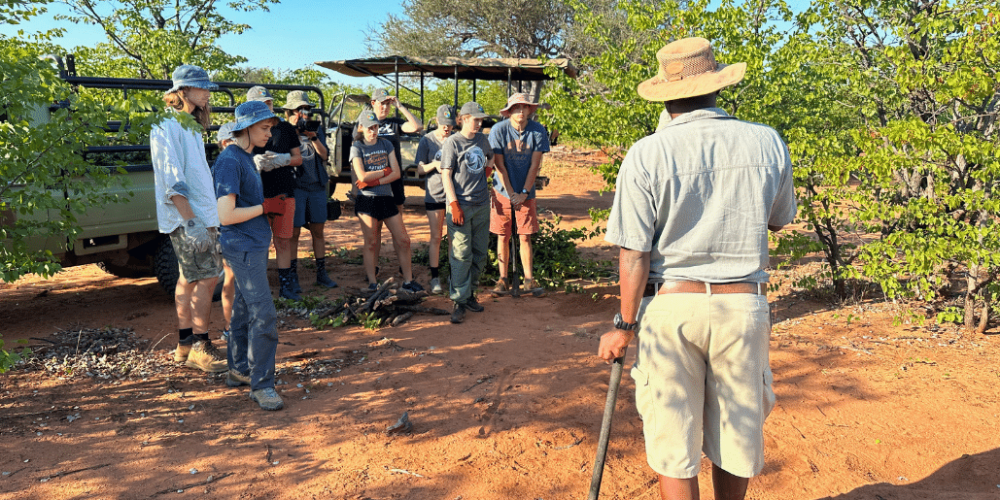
123,238
343,114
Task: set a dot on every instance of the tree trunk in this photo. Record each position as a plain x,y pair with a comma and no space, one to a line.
984,317
972,286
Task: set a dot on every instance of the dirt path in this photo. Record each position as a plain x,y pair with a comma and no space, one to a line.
506,405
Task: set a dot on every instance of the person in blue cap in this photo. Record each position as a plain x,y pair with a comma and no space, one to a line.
186,210
246,238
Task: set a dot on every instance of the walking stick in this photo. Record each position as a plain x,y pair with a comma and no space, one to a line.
609,411
515,282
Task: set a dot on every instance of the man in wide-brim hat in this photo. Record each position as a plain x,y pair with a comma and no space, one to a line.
693,205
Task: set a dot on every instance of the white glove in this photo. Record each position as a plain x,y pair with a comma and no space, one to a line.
264,163
280,159
197,234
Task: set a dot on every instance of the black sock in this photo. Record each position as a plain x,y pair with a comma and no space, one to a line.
400,269
434,272
295,265
201,336
320,264
184,335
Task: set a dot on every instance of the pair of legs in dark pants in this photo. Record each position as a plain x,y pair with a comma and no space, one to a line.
253,337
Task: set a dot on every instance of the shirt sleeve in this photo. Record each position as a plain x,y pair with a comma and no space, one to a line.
168,159
496,142
227,179
355,153
485,145
541,140
633,215
449,157
423,150
784,207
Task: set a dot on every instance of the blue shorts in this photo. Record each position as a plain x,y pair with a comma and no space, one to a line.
310,206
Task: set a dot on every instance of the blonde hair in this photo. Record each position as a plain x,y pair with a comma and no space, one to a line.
177,100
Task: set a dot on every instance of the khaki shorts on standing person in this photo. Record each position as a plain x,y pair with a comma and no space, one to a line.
195,265
527,216
283,226
702,370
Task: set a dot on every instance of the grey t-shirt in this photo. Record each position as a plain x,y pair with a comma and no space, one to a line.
467,159
699,195
429,151
374,157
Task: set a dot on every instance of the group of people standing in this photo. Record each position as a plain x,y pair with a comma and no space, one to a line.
457,195
270,180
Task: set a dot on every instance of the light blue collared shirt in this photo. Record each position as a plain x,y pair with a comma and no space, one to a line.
699,195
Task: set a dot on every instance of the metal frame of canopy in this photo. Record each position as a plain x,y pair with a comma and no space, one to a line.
445,68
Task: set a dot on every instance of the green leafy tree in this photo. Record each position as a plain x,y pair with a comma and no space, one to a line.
149,38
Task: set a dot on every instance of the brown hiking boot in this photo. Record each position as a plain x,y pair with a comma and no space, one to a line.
206,357
181,353
502,288
531,286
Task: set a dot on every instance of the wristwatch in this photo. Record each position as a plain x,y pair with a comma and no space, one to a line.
190,223
524,191
622,325
314,138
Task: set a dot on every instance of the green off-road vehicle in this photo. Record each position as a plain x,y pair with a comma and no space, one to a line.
123,238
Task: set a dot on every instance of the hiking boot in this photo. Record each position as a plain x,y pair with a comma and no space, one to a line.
436,286
323,279
286,292
458,314
206,357
267,398
531,286
412,286
296,287
473,305
181,353
502,288
236,379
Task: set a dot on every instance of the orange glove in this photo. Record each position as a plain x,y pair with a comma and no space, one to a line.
387,171
274,206
361,184
457,216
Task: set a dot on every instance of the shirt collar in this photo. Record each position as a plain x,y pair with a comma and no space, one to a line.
699,114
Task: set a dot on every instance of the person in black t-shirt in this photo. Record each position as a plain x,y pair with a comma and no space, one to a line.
277,163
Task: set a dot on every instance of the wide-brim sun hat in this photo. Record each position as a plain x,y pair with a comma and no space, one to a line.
367,118
445,115
189,75
514,100
687,68
225,132
250,113
472,109
296,99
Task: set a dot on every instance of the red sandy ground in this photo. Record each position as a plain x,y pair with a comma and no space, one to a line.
505,406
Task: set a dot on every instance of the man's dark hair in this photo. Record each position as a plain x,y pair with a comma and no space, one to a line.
692,103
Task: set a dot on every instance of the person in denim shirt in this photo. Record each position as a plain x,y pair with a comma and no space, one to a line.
693,206
246,237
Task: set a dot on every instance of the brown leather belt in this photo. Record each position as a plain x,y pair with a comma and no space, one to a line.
702,287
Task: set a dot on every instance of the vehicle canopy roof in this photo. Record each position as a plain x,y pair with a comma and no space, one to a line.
451,67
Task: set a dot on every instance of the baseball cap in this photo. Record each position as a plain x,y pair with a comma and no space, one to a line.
380,95
367,118
446,115
258,93
473,109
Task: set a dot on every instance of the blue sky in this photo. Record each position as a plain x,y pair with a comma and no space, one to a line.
294,34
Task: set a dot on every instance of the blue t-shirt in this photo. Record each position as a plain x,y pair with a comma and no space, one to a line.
517,149
235,173
374,157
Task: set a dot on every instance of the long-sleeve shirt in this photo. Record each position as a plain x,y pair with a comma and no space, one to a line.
180,167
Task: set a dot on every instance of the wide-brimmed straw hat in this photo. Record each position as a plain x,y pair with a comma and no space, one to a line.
515,99
189,75
251,112
688,69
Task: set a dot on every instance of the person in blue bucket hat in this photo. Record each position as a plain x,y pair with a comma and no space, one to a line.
246,237
186,210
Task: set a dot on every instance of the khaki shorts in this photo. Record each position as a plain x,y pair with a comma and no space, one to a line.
527,216
195,265
703,382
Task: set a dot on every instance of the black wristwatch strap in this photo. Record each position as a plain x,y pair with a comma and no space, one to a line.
620,324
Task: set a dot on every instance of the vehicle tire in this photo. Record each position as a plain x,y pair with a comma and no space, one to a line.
167,273
126,271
